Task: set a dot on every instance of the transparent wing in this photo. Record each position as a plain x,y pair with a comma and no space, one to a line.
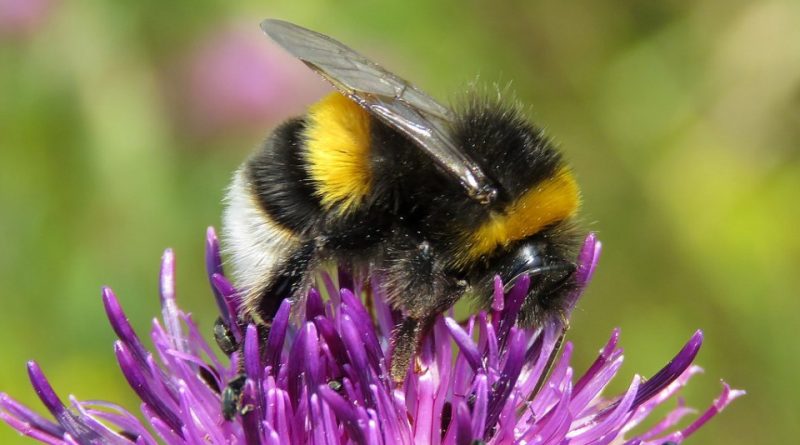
388,97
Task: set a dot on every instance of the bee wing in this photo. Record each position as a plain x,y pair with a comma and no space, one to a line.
388,97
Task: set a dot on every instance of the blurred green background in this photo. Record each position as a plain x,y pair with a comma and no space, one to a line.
121,122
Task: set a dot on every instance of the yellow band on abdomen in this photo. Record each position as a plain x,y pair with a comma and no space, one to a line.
337,139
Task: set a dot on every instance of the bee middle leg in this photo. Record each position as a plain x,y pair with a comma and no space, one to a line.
419,285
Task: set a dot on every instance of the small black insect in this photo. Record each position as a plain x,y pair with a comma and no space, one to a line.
232,395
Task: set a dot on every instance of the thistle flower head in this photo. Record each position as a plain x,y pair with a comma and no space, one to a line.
324,379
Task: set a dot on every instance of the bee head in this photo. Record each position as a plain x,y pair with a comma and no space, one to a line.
547,258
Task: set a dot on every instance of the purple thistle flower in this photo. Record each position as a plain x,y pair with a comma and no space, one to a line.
324,379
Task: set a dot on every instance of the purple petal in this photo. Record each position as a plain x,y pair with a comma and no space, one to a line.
321,433
170,435
345,279
231,297
548,337
720,403
346,413
604,357
487,342
554,425
122,327
71,423
508,378
295,368
393,423
498,296
252,354
672,370
332,338
464,341
387,318
282,412
118,416
481,408
587,263
669,421
26,429
191,427
647,407
169,307
313,368
136,378
358,355
314,306
606,426
424,427
251,424
272,436
588,259
352,306
214,267
277,334
107,435
514,300
29,418
463,427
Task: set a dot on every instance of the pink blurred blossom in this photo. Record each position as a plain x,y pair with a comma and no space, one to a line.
21,18
236,80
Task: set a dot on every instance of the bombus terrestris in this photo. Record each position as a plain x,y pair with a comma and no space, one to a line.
381,177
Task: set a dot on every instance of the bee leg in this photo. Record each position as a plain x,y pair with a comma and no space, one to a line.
289,281
224,337
405,339
286,282
426,291
232,395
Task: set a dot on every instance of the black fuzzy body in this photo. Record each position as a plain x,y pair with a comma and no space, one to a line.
412,224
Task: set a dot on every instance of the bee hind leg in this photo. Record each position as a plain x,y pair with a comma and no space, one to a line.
287,282
231,394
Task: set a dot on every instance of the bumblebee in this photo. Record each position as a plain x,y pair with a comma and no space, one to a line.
379,176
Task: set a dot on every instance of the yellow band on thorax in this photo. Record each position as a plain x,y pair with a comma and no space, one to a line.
337,138
552,200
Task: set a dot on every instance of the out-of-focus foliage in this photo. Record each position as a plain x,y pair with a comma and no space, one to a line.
121,122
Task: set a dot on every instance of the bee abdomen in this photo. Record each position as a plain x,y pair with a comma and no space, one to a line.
280,182
270,210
